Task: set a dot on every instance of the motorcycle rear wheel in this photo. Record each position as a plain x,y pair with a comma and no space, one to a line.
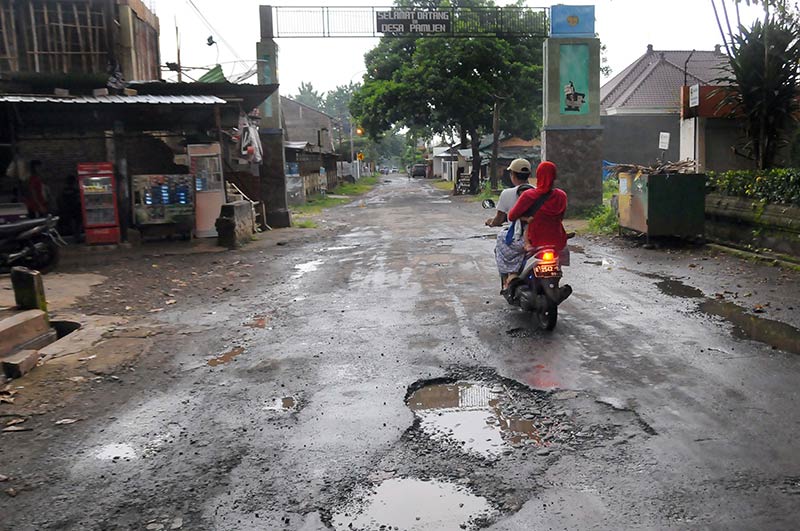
547,318
46,261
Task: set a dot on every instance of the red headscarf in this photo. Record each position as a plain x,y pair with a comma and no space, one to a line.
545,175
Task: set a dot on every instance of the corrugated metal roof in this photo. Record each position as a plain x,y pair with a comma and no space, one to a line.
125,100
295,145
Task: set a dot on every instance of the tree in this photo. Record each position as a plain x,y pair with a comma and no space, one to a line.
337,105
764,69
449,86
308,96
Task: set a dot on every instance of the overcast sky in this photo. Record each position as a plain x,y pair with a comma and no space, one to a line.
625,26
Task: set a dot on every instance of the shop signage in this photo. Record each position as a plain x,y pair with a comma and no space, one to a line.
413,21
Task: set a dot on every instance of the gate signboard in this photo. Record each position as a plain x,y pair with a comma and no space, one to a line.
412,21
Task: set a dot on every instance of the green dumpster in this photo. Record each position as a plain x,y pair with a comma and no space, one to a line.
669,204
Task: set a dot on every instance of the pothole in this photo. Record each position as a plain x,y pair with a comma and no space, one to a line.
676,288
476,416
286,403
307,267
746,326
114,452
227,357
407,503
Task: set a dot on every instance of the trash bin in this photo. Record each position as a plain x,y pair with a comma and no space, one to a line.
669,204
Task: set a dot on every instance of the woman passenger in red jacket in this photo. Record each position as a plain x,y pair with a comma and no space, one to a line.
545,227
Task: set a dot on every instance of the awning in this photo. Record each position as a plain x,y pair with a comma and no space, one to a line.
113,100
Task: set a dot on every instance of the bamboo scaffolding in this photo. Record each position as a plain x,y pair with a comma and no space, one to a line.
35,39
80,34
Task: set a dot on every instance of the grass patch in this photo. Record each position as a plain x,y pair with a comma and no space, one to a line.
361,186
603,220
485,193
444,185
305,224
315,204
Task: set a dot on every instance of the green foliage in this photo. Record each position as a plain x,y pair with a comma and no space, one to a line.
447,85
603,220
773,186
764,67
308,96
610,187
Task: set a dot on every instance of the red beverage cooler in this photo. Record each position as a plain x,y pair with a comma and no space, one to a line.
99,202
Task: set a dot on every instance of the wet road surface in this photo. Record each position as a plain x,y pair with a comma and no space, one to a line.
373,376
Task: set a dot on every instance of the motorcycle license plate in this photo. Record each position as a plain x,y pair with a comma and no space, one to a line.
547,271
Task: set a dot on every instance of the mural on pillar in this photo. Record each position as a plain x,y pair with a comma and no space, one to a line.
574,77
266,79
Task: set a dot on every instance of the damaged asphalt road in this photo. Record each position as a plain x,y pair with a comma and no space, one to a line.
367,375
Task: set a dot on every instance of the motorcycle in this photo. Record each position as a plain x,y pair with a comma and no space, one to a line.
537,289
32,243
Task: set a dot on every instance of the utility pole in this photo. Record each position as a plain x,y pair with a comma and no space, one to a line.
178,44
495,139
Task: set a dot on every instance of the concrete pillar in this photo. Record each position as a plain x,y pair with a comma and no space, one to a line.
272,176
572,134
28,289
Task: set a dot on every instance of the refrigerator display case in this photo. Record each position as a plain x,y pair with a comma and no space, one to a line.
205,164
98,189
164,204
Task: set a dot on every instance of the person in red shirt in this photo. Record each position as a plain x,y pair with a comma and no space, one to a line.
545,228
35,198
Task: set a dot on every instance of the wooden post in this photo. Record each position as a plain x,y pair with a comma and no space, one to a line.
65,57
49,53
35,39
6,45
13,16
90,31
80,36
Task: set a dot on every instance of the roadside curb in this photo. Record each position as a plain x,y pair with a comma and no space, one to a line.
749,255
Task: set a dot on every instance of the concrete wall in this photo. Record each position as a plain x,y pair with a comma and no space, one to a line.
750,223
306,124
236,224
633,139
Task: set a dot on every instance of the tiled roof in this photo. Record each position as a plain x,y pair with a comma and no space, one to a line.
653,81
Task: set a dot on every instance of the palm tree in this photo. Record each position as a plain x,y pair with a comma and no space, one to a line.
764,68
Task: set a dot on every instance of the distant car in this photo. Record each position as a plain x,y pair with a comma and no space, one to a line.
394,170
419,170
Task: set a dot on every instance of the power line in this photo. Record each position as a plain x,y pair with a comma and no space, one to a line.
215,31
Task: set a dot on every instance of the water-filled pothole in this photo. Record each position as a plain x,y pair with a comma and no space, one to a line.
413,504
286,403
227,357
676,288
746,326
480,418
113,452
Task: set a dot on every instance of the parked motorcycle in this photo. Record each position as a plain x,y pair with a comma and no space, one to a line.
32,243
537,289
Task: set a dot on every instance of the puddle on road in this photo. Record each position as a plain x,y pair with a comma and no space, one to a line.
281,404
676,288
746,326
225,358
111,452
412,504
307,267
442,202
259,321
470,413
